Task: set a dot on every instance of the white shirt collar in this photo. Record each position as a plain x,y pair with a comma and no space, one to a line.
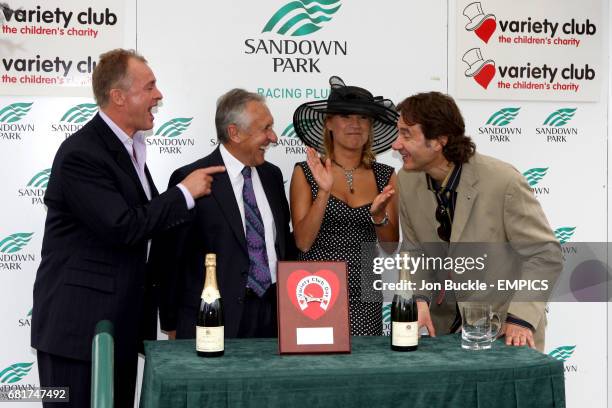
137,142
233,166
123,137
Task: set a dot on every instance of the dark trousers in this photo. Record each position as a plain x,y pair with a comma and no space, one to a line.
56,371
259,314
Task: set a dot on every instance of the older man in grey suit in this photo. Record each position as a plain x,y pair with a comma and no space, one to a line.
451,194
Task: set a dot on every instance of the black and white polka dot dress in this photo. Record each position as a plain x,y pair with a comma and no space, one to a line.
340,238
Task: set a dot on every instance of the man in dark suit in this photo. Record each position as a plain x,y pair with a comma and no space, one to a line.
245,221
103,213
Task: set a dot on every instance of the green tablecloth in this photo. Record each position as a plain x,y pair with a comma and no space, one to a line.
439,374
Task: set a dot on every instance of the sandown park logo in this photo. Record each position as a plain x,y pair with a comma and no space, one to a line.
80,113
386,314
503,116
167,136
562,353
554,126
302,17
534,175
174,127
560,117
40,179
36,187
14,112
386,319
563,234
15,242
291,142
289,131
496,127
15,372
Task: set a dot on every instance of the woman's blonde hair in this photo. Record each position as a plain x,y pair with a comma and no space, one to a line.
367,156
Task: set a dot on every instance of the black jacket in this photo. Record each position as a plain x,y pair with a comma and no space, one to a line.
94,251
217,227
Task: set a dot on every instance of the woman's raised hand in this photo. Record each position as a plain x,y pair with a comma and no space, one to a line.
379,205
322,172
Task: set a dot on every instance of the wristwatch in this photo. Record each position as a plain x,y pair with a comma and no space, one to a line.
382,222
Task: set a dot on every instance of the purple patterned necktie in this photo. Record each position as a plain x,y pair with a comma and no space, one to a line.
259,278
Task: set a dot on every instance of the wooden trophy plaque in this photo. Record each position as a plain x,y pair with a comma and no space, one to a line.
312,309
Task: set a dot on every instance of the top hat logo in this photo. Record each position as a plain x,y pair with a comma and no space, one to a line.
483,25
482,71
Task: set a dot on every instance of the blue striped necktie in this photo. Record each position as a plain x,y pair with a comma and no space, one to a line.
259,279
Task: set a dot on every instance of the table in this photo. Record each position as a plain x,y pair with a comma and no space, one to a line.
438,374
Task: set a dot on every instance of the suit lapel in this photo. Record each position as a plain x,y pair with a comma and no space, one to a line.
154,192
118,151
427,200
466,196
223,193
267,180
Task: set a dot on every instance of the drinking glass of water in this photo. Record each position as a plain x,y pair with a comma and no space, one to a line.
480,326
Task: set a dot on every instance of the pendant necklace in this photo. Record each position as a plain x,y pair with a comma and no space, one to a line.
348,174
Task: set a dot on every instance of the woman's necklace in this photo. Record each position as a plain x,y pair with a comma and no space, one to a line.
348,174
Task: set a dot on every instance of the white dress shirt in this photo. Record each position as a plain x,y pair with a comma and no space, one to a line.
137,144
137,149
234,167
132,144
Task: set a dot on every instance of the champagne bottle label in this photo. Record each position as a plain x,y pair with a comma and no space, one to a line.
405,334
210,294
210,339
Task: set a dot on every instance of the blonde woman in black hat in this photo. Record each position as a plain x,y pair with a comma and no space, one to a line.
340,196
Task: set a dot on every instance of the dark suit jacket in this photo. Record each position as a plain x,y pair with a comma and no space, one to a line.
218,228
95,245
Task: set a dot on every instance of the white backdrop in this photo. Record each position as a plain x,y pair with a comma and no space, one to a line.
199,51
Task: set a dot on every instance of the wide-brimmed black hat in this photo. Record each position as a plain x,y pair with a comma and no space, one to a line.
309,118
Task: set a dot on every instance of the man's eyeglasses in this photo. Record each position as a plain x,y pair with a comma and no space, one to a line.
443,217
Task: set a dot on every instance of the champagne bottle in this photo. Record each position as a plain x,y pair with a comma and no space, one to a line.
210,329
404,318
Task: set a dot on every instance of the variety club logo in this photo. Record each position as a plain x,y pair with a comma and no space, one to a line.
530,31
169,137
533,177
313,294
483,25
11,255
10,120
564,234
36,187
75,118
289,140
298,19
497,128
478,69
58,16
302,17
53,22
548,34
563,354
15,372
554,126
